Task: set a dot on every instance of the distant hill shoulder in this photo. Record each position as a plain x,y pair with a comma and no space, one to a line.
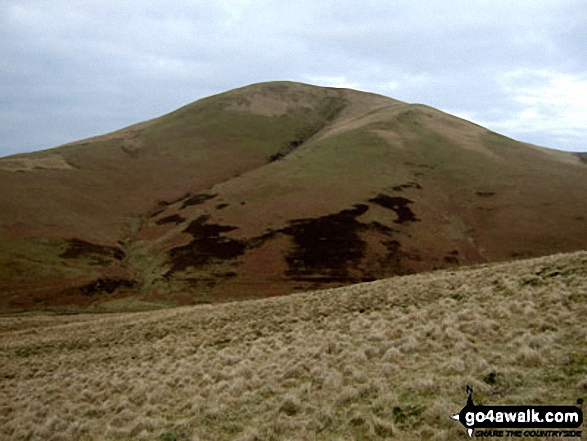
272,189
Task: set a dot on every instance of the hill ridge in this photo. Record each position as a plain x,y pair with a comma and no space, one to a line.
271,189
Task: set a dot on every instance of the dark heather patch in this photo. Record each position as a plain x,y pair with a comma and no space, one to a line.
491,378
103,286
208,246
327,248
174,218
77,248
378,226
393,247
286,150
156,212
396,258
408,185
397,204
197,199
582,157
485,194
324,247
209,281
221,206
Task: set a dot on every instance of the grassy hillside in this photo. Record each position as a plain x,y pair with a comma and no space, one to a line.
271,189
382,360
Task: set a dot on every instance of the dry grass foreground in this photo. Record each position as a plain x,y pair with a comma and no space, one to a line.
387,359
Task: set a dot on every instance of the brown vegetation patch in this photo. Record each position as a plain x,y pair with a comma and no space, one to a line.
452,257
207,246
206,282
16,230
334,248
397,204
197,199
286,150
407,185
102,286
77,248
87,294
396,256
174,218
324,251
326,245
65,295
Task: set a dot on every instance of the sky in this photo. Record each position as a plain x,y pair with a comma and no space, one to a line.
71,69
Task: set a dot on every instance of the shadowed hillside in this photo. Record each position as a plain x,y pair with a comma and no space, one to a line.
383,360
271,189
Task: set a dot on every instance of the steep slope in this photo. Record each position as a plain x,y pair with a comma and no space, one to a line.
382,360
274,188
69,213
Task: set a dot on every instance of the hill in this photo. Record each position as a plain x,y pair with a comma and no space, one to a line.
271,189
382,360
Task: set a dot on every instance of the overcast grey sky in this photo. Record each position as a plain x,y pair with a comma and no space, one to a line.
70,69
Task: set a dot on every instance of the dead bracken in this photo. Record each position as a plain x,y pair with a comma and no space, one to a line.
397,204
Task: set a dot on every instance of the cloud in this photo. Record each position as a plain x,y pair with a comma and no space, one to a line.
548,105
72,69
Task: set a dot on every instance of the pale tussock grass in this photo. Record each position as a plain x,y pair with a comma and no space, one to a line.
387,359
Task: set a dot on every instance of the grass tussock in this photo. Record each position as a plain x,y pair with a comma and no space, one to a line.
382,360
